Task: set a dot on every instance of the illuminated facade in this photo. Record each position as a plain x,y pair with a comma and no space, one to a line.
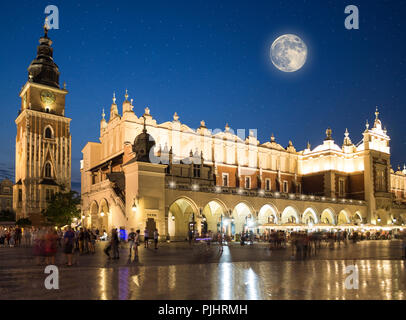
211,180
43,141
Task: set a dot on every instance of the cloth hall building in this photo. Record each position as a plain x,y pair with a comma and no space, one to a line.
146,175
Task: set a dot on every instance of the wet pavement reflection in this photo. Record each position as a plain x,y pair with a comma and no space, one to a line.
232,276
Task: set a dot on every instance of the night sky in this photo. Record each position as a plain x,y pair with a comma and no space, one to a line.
209,60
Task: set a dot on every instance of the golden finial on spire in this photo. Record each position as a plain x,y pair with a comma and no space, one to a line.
46,27
376,113
328,134
114,98
126,95
103,114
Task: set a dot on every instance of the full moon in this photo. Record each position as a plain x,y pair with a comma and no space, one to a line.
288,53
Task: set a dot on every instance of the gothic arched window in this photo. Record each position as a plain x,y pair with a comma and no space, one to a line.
48,170
48,133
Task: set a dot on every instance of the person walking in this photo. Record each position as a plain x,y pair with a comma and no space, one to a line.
51,246
146,238
136,243
18,236
131,240
156,237
81,237
404,244
92,242
69,239
27,237
2,236
114,244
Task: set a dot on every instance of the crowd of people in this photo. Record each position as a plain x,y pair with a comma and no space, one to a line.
47,241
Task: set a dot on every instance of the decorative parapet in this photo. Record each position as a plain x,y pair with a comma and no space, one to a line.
262,193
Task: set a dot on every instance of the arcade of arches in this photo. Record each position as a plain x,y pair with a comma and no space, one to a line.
185,215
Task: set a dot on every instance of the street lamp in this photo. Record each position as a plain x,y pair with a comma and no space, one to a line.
102,214
134,207
379,219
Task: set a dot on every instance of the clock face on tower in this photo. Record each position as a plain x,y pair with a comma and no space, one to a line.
47,97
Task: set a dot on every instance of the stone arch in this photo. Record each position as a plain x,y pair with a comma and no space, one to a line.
181,212
266,212
328,216
343,217
242,213
48,170
357,218
310,216
103,216
288,213
215,213
94,214
48,132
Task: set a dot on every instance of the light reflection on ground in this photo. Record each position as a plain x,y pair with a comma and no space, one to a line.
322,277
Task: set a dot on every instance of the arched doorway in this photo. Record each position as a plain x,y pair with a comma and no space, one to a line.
244,217
310,216
327,217
94,215
267,214
182,213
104,216
290,215
357,218
343,218
215,216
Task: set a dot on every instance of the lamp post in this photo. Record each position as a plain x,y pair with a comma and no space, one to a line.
193,222
221,223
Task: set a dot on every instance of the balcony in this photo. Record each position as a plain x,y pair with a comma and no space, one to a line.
105,184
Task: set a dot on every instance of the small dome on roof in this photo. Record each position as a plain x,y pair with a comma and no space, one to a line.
142,146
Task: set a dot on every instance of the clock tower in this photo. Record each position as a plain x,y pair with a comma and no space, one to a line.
43,141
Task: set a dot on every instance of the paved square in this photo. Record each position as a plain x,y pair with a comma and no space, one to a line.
178,271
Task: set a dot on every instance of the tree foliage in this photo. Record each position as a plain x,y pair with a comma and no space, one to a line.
23,222
62,208
7,215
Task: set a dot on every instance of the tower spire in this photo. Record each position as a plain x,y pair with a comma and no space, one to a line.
144,130
347,140
43,69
